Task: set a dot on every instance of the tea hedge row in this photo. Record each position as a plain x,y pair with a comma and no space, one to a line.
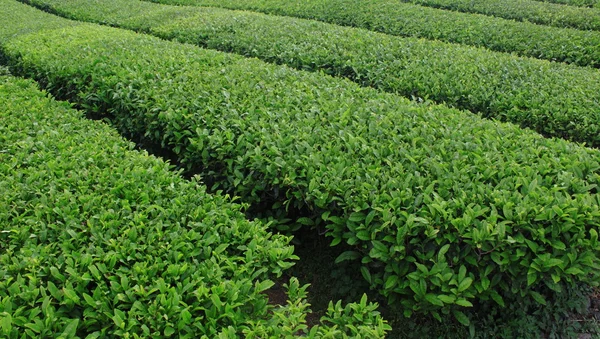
554,99
99,240
580,3
442,207
524,10
405,19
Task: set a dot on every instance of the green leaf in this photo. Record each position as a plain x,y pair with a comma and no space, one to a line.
447,299
531,277
534,247
391,281
363,301
417,288
501,227
306,221
574,271
553,262
46,306
118,318
422,268
169,331
461,317
363,235
462,272
186,316
433,299
347,255
442,252
335,220
379,250
69,293
465,284
55,273
335,241
497,298
538,297
89,300
264,285
6,323
532,186
559,245
485,283
366,274
71,329
370,217
55,292
94,271
464,303
507,210
357,217
35,327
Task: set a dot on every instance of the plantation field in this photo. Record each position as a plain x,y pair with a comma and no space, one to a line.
543,13
449,174
532,93
580,3
221,27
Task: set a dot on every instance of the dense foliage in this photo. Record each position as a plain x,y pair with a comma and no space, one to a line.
405,19
442,207
205,25
524,10
98,239
580,3
554,99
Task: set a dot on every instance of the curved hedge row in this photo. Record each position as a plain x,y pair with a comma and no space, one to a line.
580,3
405,19
548,43
441,207
554,99
356,12
524,10
99,240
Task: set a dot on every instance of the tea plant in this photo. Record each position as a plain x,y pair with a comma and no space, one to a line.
390,17
580,3
339,10
442,208
555,100
99,240
524,10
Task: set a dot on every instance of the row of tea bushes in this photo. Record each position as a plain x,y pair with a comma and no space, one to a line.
441,207
554,99
99,240
406,19
524,10
579,3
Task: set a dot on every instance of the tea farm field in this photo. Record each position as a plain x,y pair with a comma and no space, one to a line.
316,169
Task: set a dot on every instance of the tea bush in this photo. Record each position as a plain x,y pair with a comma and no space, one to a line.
100,240
553,99
442,208
580,3
524,10
356,12
410,20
